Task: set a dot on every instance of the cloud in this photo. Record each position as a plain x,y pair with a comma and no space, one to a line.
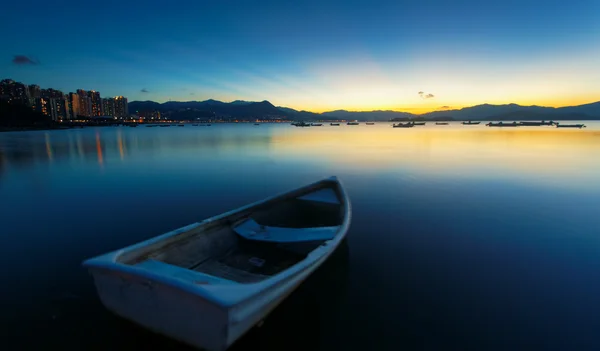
444,108
426,96
144,90
24,60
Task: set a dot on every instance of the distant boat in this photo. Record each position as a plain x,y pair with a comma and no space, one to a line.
558,125
150,126
302,124
208,283
418,123
181,125
502,124
165,125
256,124
208,125
370,123
334,124
352,123
536,124
194,125
403,125
470,122
316,124
441,123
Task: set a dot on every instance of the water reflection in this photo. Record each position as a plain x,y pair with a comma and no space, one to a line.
542,154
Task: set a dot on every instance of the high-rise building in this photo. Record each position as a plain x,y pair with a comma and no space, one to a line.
96,103
56,108
51,94
74,105
108,107
85,103
14,92
34,92
121,108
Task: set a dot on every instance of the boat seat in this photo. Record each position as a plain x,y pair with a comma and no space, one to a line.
251,230
324,195
181,273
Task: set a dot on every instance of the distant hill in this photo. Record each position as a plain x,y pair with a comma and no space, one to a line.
514,111
264,109
209,108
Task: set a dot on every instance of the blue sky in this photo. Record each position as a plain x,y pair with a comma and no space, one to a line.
315,55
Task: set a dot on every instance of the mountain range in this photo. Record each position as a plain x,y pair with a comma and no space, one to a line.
265,110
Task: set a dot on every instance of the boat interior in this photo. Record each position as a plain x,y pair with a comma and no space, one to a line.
254,245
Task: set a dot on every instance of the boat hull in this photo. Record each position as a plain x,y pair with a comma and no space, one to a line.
203,313
187,317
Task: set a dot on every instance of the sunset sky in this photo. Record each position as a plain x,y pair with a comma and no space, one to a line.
313,55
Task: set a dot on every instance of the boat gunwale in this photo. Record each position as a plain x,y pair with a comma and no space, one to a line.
215,292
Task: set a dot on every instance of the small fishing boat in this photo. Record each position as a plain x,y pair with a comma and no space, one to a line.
256,124
208,283
334,124
558,125
418,123
441,123
181,125
468,123
316,124
370,123
352,123
302,124
536,124
165,125
502,124
403,125
194,125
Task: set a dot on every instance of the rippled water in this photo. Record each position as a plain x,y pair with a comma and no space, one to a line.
463,237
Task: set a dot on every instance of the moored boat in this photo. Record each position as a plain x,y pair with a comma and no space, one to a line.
558,125
502,124
208,283
370,123
536,124
468,123
355,123
418,123
334,124
441,123
403,125
316,124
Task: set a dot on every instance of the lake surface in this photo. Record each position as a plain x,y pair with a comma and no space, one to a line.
462,237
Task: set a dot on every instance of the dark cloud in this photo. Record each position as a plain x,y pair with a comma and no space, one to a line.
24,60
429,96
426,96
144,90
421,93
444,108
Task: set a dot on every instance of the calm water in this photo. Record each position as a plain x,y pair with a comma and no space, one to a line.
463,237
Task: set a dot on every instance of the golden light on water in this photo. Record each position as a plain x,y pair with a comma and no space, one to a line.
99,150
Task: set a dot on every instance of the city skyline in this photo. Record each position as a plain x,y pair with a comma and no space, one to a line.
320,56
61,106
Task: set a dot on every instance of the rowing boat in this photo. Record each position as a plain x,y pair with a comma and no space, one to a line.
208,283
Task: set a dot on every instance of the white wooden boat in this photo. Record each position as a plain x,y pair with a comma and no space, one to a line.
208,283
